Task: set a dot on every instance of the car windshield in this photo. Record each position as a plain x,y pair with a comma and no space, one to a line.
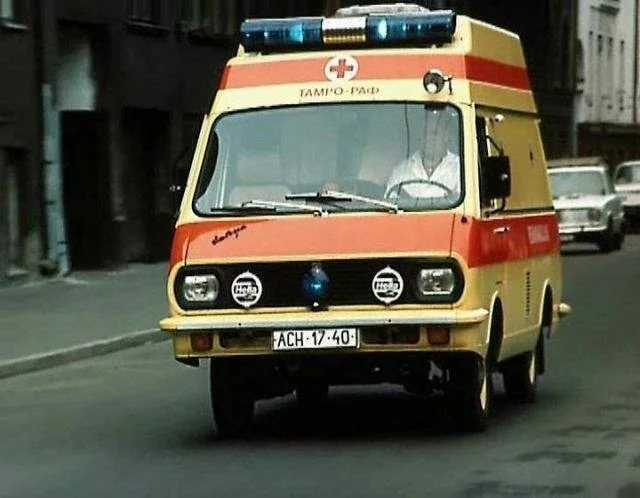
337,157
577,183
628,174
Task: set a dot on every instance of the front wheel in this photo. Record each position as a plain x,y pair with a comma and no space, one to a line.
232,401
521,373
619,239
472,392
608,240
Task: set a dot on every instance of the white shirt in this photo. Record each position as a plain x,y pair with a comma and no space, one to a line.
447,172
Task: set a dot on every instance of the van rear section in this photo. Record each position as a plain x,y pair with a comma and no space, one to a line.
368,202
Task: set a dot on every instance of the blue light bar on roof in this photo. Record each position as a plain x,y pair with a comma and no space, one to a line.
265,34
278,35
434,27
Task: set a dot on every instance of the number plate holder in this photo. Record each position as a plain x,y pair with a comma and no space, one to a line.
296,340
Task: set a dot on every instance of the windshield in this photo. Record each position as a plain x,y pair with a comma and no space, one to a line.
628,174
571,184
403,154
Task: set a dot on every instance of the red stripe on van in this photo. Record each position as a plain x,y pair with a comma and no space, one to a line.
509,238
376,67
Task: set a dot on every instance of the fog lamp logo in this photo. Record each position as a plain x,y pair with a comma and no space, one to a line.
246,289
387,285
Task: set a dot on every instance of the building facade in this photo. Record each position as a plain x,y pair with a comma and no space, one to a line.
20,233
129,81
607,101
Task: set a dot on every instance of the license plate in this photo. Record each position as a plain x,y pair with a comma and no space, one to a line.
290,340
567,237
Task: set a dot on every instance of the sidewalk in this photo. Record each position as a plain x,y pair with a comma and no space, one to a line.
56,321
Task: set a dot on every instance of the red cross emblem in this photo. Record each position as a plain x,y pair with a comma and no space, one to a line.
341,68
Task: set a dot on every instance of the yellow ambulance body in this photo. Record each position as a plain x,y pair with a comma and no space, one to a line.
297,265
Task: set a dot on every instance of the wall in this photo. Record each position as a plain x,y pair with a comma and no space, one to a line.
607,34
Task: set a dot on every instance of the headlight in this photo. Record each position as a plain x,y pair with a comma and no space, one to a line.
436,282
594,215
200,288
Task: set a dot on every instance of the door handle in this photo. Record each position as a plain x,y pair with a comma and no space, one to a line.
501,230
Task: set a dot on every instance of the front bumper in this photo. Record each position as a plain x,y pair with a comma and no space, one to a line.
249,334
581,232
185,324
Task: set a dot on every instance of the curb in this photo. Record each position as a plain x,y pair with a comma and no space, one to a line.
42,361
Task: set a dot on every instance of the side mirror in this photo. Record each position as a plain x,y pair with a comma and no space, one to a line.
496,178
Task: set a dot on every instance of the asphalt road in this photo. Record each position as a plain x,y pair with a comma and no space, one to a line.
137,424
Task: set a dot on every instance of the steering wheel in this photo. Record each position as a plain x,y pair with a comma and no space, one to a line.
401,185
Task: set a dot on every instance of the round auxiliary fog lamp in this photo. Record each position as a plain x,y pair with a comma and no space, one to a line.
434,81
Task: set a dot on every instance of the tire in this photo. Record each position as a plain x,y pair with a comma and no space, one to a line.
473,389
312,395
232,402
607,242
521,373
619,239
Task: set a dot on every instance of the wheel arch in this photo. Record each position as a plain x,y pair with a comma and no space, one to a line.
545,312
495,329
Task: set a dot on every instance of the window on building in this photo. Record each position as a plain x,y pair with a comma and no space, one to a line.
147,11
211,17
6,9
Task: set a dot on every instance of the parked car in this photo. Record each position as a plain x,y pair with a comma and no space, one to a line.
627,185
588,208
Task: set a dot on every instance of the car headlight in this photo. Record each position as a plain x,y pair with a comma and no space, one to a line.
594,215
200,288
436,282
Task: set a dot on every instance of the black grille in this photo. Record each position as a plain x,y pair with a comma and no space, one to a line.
351,281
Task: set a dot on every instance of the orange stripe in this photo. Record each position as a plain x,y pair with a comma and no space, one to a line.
480,242
291,237
376,67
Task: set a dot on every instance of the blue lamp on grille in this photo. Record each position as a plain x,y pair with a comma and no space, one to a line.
316,286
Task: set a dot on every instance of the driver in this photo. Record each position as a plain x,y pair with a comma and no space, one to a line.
434,169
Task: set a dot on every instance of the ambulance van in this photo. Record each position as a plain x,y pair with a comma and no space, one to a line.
368,202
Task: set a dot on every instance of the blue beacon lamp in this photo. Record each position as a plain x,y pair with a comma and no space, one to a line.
316,286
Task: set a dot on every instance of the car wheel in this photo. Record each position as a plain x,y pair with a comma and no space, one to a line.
232,402
472,393
619,239
520,374
607,241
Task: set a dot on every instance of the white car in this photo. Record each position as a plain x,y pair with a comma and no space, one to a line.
627,185
588,208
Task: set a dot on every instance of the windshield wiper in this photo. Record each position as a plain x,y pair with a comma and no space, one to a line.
258,206
334,195
243,209
274,205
